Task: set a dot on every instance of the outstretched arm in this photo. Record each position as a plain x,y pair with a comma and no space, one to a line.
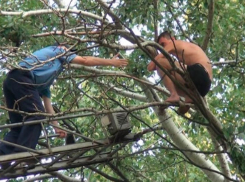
96,61
49,108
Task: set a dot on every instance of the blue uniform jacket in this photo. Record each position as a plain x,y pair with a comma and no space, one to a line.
45,74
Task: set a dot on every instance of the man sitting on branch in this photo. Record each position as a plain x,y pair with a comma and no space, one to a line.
191,59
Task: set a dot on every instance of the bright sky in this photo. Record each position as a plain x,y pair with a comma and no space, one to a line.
67,2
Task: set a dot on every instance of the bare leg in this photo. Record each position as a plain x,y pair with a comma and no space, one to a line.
174,96
184,108
175,92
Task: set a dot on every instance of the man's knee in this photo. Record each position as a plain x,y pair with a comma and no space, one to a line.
164,63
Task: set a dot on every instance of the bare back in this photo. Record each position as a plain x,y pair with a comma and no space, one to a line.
190,54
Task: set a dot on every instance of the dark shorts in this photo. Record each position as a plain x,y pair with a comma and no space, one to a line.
200,78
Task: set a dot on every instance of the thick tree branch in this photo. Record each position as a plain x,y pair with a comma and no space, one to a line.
52,175
209,25
156,7
227,62
39,178
25,14
122,74
64,177
221,157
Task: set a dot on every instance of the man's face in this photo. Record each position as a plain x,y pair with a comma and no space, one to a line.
164,41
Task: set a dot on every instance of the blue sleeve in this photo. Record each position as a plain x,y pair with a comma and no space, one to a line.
46,92
68,57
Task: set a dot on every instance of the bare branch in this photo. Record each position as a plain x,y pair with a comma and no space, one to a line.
41,177
109,12
63,177
104,174
227,62
221,157
25,14
209,25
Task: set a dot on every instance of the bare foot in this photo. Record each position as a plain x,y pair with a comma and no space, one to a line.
173,98
183,109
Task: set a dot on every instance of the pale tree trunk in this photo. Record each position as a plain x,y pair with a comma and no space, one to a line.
222,158
183,144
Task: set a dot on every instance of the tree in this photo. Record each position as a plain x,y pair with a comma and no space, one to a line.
207,144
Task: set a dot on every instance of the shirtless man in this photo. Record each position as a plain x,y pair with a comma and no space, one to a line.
192,58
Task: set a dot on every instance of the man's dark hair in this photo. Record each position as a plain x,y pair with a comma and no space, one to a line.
65,45
165,34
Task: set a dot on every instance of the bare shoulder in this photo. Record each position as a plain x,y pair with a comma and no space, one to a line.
185,43
188,46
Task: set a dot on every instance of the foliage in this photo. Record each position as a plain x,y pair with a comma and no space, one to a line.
153,157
